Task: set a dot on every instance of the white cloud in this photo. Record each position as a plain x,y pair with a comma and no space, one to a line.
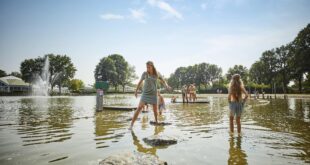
137,15
166,7
111,16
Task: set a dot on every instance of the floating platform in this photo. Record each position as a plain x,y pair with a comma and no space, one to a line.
196,102
119,108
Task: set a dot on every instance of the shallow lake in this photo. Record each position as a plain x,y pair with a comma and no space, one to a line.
68,130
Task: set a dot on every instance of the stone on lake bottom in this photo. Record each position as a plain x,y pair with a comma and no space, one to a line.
132,158
159,123
160,140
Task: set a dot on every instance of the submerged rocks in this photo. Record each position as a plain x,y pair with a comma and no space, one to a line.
160,140
129,158
159,123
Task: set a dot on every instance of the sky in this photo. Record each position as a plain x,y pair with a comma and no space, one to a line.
171,33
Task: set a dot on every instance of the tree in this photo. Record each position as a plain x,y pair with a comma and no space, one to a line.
2,73
256,73
121,69
76,85
61,70
31,68
238,69
16,74
269,67
283,56
129,77
301,59
116,70
215,72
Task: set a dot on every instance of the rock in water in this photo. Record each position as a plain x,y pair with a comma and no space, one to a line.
160,140
129,158
159,123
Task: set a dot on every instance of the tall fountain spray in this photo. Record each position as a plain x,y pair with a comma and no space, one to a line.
41,84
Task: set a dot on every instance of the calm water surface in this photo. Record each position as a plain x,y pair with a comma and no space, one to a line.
68,130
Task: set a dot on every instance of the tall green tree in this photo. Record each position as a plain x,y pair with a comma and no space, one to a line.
129,76
238,69
2,73
301,59
121,69
31,68
61,70
116,70
215,72
283,55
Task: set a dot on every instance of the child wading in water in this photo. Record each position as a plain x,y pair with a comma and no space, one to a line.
161,103
149,92
235,100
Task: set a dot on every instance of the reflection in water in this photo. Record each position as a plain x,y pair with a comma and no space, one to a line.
236,154
45,120
272,130
108,128
286,116
196,118
151,149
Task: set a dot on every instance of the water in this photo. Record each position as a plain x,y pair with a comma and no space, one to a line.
67,130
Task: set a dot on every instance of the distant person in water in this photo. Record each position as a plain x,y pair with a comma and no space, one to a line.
161,103
236,102
184,94
145,108
194,92
173,99
149,92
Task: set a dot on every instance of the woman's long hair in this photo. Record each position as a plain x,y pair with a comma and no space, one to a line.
154,69
235,86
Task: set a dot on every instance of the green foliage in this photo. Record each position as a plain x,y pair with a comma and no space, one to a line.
116,70
61,70
59,64
200,74
2,73
76,85
238,69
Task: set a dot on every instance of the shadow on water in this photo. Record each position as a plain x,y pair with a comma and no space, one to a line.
43,120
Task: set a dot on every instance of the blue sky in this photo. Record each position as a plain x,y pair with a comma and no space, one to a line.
172,33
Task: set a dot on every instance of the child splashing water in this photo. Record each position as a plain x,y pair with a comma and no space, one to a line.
149,92
235,100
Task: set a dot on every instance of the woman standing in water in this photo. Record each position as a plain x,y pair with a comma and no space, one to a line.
235,100
149,92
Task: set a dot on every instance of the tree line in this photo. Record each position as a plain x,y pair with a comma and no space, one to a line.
61,70
275,69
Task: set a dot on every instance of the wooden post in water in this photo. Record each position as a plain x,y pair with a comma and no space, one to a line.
99,100
100,86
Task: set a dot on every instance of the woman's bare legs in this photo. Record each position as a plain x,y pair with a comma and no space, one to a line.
136,114
155,106
231,122
238,124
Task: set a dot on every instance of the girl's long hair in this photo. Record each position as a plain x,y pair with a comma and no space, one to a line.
235,86
154,69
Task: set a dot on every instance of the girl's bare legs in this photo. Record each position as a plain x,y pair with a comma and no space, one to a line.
238,124
136,114
155,106
231,122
